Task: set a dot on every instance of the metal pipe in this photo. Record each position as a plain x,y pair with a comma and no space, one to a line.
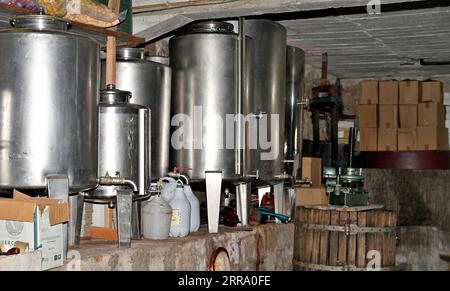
179,176
117,181
351,144
239,151
142,152
132,185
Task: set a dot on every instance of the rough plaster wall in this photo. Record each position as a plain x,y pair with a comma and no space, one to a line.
422,202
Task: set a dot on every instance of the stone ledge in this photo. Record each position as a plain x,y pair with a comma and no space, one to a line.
264,248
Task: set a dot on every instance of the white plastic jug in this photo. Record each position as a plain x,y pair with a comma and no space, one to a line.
168,186
195,208
181,213
156,218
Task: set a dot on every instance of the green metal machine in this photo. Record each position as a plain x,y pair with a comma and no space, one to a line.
345,188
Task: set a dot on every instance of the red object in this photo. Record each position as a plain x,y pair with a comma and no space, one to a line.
426,160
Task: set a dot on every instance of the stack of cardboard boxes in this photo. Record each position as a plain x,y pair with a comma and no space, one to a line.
431,132
402,116
316,194
388,115
368,116
408,109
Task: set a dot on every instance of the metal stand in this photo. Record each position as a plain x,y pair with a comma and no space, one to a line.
76,207
124,205
278,198
136,220
213,193
58,188
243,195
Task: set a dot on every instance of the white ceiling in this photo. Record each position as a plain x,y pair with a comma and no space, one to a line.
390,44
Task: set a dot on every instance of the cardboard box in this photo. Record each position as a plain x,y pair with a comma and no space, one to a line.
388,92
388,115
36,221
387,139
368,116
408,116
407,139
312,169
368,139
311,196
432,138
29,261
431,114
409,92
368,92
344,133
432,91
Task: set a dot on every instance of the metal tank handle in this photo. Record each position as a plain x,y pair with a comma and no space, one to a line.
144,122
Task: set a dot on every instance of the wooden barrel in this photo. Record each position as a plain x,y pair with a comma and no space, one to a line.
330,238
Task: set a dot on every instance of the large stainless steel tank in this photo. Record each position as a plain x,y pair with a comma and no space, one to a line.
49,86
123,142
150,85
205,77
269,91
295,70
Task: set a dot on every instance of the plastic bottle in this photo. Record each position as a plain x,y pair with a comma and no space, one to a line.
181,213
195,208
168,187
156,219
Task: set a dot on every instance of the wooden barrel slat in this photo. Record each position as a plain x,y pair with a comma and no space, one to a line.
361,241
379,222
342,253
326,248
316,238
324,238
351,253
334,220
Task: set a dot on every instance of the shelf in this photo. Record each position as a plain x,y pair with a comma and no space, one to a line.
426,160
99,34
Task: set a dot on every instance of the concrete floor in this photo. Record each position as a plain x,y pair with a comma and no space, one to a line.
263,248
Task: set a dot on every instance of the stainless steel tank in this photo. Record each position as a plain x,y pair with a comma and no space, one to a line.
123,142
205,80
295,70
269,92
150,85
49,86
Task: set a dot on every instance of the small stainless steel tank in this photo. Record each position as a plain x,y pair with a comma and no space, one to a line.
269,89
295,69
205,77
123,142
149,83
49,86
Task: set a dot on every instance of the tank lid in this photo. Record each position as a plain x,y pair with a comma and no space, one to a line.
111,95
211,26
40,22
129,54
